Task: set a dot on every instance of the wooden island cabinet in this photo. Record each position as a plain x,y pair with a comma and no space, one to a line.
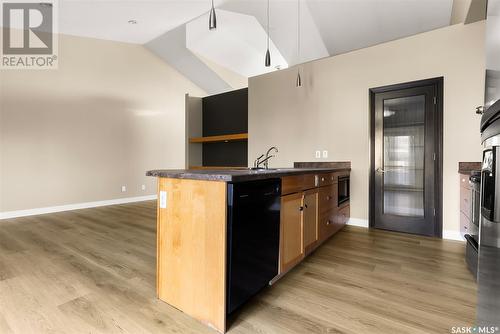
310,214
198,238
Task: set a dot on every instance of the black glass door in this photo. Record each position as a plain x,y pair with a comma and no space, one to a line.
404,161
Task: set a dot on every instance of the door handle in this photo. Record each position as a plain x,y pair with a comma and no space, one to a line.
380,170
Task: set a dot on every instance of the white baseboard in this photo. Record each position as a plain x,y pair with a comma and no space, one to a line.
358,222
453,235
447,234
77,206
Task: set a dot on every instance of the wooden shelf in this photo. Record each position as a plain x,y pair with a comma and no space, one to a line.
223,138
216,167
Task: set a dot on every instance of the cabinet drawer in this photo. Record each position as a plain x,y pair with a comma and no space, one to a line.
327,179
297,183
326,225
343,216
328,198
465,201
332,221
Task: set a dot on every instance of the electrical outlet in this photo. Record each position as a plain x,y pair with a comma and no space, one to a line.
143,187
325,154
163,199
318,154
124,189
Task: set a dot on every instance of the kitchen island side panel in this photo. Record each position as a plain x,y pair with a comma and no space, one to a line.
191,255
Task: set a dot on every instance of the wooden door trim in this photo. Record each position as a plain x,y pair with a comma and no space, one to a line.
438,84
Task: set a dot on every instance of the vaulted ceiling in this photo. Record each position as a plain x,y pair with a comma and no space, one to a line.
177,30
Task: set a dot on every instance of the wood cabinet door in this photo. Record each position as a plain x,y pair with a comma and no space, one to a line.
310,219
292,245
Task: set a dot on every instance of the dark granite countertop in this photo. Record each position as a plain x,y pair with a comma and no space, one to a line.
237,175
468,167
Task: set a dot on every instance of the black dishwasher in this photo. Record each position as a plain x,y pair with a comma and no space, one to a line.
253,233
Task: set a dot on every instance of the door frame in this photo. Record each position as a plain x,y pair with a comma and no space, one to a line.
438,84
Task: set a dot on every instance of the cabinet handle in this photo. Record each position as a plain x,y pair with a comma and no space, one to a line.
301,208
328,222
305,206
323,179
328,198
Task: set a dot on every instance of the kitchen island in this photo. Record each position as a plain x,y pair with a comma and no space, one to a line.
224,234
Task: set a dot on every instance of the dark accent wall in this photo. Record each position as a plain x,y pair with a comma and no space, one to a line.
232,154
225,114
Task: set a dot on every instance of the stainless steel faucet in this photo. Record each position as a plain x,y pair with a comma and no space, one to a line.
266,160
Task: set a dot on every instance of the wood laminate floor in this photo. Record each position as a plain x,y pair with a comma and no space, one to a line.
93,271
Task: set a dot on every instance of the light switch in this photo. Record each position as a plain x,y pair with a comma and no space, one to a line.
318,154
163,199
325,154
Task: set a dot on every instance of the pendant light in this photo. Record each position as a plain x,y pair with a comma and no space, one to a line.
212,19
298,81
268,54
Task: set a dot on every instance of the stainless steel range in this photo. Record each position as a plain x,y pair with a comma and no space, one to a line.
488,309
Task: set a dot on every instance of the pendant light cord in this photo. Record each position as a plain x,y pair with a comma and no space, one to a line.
268,25
298,30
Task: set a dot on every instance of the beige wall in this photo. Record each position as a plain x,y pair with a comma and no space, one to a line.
77,134
331,111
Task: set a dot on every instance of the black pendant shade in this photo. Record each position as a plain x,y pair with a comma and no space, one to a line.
268,58
298,83
212,19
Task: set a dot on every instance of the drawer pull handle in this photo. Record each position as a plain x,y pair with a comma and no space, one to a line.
323,179
301,208
328,222
328,198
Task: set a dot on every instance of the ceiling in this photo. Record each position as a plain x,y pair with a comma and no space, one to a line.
108,19
232,44
327,27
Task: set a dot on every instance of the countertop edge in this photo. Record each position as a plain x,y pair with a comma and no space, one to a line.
466,168
225,176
